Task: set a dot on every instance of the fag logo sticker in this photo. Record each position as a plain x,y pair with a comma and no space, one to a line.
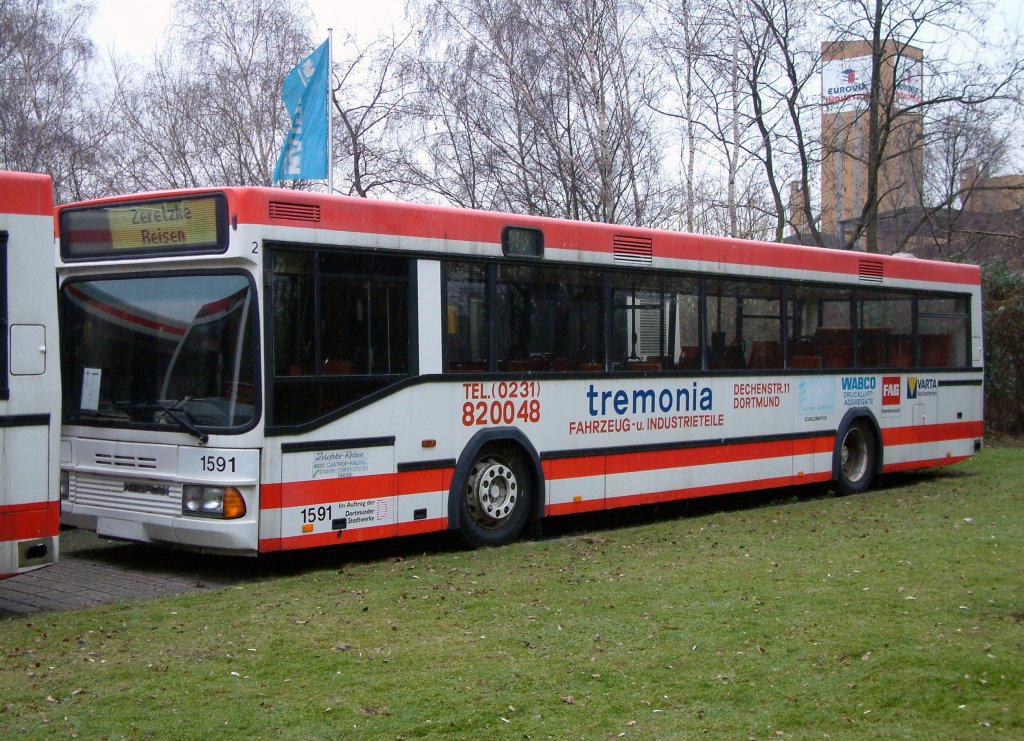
891,391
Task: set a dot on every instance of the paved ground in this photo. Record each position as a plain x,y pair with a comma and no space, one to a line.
92,571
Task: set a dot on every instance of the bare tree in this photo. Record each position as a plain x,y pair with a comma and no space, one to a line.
370,100
969,214
785,63
457,116
538,107
50,120
887,30
209,110
719,56
684,33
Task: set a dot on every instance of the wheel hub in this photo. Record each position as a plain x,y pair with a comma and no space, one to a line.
491,492
853,456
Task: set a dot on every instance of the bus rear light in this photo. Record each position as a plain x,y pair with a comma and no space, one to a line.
225,502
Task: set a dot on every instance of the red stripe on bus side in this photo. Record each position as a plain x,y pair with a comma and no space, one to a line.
574,468
686,457
306,493
933,433
575,508
673,495
570,468
567,468
329,491
915,465
27,521
732,487
425,481
812,445
355,535
270,496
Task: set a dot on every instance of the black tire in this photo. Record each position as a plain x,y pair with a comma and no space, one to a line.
496,498
855,462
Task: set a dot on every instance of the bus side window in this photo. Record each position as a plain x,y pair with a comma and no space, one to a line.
548,318
294,312
882,319
364,317
820,334
944,326
467,328
351,345
640,321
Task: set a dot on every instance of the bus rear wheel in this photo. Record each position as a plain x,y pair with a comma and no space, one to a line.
496,498
856,464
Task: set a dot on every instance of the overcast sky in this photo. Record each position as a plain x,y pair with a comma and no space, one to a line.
136,27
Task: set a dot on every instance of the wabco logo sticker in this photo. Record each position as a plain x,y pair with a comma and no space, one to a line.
859,390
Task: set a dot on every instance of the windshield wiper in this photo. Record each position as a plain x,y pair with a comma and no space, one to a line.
181,416
185,420
97,414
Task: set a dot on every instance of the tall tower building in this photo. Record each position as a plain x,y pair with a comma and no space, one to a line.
846,108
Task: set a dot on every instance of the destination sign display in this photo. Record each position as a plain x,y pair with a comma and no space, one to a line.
145,229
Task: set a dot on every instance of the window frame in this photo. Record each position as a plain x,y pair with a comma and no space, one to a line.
319,383
849,300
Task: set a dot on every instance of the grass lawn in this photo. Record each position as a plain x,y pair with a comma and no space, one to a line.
897,613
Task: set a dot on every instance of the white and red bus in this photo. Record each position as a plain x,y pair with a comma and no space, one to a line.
252,370
29,376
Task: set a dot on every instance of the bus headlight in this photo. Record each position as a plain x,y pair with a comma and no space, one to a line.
225,502
65,485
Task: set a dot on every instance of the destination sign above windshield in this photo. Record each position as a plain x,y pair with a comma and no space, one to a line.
144,229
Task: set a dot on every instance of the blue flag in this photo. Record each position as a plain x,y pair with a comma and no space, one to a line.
305,152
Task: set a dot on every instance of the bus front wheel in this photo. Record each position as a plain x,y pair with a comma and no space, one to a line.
856,465
496,498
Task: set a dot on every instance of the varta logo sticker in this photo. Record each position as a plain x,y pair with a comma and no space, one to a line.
917,387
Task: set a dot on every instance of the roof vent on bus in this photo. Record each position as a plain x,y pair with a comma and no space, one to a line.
294,211
871,271
633,250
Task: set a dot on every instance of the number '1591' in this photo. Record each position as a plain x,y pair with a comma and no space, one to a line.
218,464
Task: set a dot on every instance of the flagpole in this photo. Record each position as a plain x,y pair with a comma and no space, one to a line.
330,116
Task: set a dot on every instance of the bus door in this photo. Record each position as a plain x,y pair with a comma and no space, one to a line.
29,519
337,491
29,376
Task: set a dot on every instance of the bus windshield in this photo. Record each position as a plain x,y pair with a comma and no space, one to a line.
171,350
